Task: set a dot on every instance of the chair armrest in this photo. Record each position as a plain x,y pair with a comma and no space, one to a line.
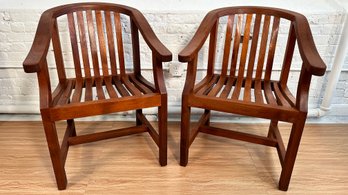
40,45
197,41
309,54
161,52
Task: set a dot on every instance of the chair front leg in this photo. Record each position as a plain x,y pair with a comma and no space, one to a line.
291,153
55,153
162,110
163,129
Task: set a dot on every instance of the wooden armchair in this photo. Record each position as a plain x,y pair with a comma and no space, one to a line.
245,84
101,82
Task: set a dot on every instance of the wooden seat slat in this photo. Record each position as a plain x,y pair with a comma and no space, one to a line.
208,86
79,83
144,89
65,97
279,95
130,86
99,88
119,86
228,87
219,85
89,82
109,87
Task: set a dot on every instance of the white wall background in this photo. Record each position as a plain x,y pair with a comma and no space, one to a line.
174,21
184,5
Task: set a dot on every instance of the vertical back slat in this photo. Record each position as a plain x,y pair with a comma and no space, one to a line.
252,56
83,44
227,47
272,47
245,46
111,43
118,27
288,56
93,44
243,57
263,46
135,48
212,49
237,37
58,55
102,42
74,46
253,49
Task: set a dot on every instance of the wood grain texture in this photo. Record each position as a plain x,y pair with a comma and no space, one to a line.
225,167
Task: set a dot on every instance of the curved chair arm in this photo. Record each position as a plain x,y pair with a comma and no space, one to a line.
197,41
189,53
161,52
309,54
39,48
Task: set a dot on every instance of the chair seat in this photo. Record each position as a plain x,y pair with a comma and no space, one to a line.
105,94
253,97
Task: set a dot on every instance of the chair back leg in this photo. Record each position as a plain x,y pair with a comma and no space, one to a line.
71,123
185,134
138,113
270,131
207,112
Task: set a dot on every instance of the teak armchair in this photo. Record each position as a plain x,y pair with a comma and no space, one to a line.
246,84
101,82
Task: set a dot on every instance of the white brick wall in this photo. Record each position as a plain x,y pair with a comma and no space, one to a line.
174,29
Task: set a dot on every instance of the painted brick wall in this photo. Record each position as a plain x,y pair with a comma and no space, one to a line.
18,91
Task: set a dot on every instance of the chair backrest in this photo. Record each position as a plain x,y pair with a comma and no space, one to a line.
101,37
253,39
